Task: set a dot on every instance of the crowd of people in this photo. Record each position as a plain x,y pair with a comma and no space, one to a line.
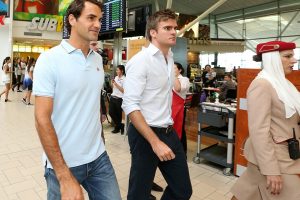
18,74
151,90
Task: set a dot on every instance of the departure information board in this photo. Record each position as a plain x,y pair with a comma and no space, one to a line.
114,16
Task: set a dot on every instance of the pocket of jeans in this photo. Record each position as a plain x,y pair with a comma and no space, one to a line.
47,172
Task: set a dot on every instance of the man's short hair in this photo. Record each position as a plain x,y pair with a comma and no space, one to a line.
228,74
153,20
75,9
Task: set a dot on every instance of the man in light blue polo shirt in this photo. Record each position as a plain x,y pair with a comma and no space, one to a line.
67,83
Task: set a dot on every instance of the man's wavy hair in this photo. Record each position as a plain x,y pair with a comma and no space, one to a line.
153,20
75,9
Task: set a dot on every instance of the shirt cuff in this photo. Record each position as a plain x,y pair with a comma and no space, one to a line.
130,109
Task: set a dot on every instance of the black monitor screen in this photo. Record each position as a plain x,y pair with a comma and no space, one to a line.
113,20
114,16
137,20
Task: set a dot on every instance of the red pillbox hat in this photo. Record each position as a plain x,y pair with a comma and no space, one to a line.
274,46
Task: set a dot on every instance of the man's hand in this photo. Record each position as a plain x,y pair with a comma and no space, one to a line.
103,118
163,152
274,184
70,188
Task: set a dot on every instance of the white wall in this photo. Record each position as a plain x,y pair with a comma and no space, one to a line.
5,46
6,39
5,42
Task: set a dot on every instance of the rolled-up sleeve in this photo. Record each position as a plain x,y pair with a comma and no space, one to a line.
44,77
185,84
134,85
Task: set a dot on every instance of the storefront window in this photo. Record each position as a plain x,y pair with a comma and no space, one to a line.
22,48
28,49
15,48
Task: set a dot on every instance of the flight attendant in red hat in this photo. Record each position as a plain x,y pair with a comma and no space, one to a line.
273,170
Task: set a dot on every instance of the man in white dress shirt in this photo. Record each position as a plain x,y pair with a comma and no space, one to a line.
147,101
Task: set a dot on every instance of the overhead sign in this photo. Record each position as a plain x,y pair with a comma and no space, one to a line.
46,24
26,10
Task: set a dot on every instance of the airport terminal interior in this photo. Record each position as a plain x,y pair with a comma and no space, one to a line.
221,34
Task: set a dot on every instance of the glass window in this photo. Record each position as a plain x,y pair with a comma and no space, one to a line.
41,49
262,27
231,30
15,48
28,49
206,59
290,23
35,49
22,48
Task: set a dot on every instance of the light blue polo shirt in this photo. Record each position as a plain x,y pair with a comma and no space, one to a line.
74,82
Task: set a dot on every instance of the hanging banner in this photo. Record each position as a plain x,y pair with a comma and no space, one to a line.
26,10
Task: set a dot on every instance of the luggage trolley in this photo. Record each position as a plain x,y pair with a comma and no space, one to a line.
220,121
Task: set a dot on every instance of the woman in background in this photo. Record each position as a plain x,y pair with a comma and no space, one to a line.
115,110
6,71
28,81
180,89
273,172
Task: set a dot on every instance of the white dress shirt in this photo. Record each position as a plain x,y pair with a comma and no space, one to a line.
148,86
116,92
184,86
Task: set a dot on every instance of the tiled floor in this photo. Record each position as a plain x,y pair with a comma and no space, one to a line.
21,170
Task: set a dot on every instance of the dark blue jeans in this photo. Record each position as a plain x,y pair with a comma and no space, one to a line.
97,178
144,163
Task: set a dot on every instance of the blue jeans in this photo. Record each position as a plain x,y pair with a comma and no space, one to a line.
97,178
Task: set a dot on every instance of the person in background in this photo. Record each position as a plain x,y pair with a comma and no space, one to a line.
273,121
227,85
210,78
188,71
115,103
6,74
180,89
67,84
205,71
23,65
18,71
28,80
94,46
147,101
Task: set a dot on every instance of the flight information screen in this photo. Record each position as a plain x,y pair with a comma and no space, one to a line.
114,16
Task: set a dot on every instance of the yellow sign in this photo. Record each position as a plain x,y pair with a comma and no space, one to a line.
134,46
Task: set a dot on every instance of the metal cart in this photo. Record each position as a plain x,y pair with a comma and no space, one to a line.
220,121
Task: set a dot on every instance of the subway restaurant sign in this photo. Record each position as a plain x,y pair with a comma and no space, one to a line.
43,15
46,24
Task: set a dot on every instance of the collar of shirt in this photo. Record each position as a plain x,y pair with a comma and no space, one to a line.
153,50
69,48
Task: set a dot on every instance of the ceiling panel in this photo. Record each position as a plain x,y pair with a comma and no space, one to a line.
196,7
